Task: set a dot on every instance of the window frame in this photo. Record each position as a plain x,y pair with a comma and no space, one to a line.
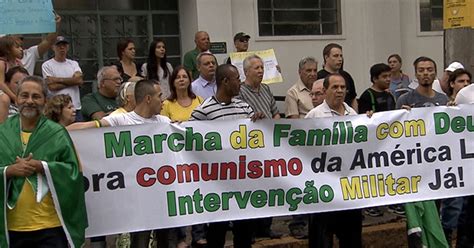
299,37
419,32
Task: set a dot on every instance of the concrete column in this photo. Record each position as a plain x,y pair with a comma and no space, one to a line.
458,46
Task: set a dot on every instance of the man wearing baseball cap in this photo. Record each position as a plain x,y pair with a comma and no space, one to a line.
443,83
64,76
241,43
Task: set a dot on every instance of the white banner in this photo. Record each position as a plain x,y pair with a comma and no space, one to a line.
157,176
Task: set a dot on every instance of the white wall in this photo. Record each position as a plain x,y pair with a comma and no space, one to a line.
372,30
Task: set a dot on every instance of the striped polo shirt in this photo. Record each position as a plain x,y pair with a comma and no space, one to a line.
212,109
260,100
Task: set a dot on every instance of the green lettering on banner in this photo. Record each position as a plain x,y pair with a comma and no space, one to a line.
212,202
143,145
171,196
116,148
441,123
173,142
259,199
213,142
278,133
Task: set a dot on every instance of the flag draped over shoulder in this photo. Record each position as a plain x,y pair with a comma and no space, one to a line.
50,143
423,218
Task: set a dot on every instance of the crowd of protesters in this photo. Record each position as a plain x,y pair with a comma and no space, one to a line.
156,92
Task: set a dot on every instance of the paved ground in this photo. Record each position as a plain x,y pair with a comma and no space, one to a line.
385,231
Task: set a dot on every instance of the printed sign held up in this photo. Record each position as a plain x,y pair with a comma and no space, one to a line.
26,17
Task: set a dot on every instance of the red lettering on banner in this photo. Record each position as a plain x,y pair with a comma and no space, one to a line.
166,175
295,167
255,168
141,177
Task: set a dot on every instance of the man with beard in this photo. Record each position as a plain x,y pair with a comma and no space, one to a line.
44,201
423,224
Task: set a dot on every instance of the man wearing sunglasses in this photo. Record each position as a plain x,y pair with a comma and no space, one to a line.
241,43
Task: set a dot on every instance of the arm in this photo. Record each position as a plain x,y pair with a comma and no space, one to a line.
87,125
291,104
76,79
4,104
46,43
3,85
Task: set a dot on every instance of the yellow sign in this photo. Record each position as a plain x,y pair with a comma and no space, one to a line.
270,63
458,14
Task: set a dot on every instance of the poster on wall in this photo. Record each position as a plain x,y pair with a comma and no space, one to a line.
458,14
27,17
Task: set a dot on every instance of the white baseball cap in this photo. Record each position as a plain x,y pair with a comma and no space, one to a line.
454,66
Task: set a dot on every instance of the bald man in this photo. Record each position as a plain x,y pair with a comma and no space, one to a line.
201,38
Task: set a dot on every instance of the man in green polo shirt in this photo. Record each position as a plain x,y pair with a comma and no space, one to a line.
201,38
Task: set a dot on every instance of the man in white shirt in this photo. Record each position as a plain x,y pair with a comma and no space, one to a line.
64,76
347,224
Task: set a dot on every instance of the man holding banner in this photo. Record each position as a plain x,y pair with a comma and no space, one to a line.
423,224
41,180
322,226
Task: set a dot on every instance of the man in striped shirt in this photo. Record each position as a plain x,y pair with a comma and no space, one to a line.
261,99
223,106
253,92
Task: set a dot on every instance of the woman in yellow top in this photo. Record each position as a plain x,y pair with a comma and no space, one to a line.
182,101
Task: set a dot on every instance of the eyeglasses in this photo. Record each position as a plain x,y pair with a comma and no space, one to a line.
316,94
117,79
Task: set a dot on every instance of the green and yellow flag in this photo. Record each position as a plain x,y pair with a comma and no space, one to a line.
50,143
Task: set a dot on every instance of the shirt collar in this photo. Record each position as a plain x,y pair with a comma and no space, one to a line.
301,86
206,83
327,109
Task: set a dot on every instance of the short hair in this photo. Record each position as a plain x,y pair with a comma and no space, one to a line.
222,72
423,59
54,106
395,56
12,71
101,72
327,49
124,90
328,77
122,45
174,75
378,69
34,79
247,61
143,88
198,58
305,61
454,75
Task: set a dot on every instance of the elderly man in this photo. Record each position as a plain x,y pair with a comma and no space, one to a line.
317,92
298,98
347,224
44,202
202,41
101,103
253,92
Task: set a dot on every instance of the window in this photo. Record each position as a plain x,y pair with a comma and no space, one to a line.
431,15
299,17
93,28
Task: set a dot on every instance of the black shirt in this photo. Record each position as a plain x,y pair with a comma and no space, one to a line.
376,101
350,86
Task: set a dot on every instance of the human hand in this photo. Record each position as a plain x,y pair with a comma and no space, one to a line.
257,116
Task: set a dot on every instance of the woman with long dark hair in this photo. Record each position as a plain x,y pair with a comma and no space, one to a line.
157,66
129,70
